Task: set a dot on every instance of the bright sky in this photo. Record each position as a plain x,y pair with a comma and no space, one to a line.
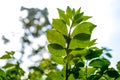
105,15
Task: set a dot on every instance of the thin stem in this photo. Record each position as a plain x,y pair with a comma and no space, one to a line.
86,69
67,53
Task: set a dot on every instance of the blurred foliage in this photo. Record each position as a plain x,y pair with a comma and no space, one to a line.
35,25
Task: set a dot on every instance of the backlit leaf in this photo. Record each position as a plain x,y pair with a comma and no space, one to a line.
56,50
81,40
84,18
85,27
58,60
55,37
60,26
69,12
77,19
78,52
63,16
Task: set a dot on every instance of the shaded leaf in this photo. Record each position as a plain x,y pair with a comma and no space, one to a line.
93,53
99,63
82,36
118,65
109,55
112,73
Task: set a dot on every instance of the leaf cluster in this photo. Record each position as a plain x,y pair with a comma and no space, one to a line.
71,46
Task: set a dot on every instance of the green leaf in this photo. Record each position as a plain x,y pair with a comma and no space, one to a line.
118,78
84,18
55,37
63,16
99,63
80,41
93,52
68,58
112,73
90,71
77,19
69,12
60,26
2,73
78,52
54,76
78,11
118,65
56,50
80,64
10,53
82,36
6,56
9,65
109,55
85,27
58,60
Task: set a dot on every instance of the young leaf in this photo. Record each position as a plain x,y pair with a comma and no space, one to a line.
85,27
69,12
55,37
56,50
84,18
63,16
60,26
77,19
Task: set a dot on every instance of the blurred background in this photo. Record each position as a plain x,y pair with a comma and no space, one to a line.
23,24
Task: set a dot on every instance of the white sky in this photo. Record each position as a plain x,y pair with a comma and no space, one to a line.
104,12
